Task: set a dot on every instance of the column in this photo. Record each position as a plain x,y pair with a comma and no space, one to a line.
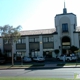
14,47
1,44
71,35
41,46
27,46
76,40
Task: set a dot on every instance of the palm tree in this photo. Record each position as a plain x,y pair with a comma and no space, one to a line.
11,34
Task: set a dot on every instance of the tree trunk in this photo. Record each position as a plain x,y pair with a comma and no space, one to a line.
12,56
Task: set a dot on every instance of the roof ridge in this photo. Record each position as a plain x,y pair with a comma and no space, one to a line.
38,29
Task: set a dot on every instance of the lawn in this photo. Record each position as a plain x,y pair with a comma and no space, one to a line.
67,64
22,78
21,66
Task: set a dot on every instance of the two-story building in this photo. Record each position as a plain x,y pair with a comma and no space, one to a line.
43,42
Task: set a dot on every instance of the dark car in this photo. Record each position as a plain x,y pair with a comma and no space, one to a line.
27,59
2,60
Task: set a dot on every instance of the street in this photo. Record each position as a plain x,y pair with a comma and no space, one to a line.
44,73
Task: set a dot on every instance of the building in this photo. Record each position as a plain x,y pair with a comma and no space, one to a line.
43,42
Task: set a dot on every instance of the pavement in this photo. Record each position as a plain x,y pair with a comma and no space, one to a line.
47,65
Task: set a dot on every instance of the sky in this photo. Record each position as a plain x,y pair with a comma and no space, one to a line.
35,14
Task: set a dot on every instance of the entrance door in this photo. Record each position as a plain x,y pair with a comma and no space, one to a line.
47,54
65,44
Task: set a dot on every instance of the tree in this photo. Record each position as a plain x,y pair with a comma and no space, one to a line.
11,34
73,48
56,52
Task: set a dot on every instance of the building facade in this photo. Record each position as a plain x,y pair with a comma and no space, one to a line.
43,42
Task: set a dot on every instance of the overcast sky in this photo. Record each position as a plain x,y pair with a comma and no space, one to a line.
35,14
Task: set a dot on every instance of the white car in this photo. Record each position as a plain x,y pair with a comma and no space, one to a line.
68,58
27,59
39,59
71,58
61,58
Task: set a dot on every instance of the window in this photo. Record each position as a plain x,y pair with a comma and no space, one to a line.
65,27
31,39
7,41
21,40
8,54
36,39
45,39
48,39
21,53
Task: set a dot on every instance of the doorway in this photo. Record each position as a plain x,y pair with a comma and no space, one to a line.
66,43
47,54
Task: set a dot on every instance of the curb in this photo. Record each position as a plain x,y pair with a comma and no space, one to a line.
41,67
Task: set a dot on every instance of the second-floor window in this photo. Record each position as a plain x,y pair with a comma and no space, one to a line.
21,40
31,39
7,41
65,27
36,39
45,39
48,39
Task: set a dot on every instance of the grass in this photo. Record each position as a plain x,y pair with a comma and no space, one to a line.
24,78
67,64
21,66
75,76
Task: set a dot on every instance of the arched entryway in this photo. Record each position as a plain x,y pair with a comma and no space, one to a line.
65,44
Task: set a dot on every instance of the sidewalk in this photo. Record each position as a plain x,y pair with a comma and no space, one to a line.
64,66
46,66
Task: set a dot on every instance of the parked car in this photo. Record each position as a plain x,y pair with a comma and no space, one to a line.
27,59
2,60
39,59
72,57
61,58
68,58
